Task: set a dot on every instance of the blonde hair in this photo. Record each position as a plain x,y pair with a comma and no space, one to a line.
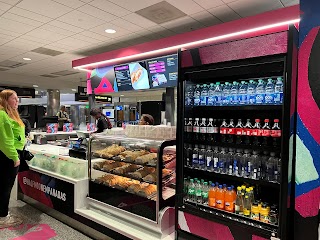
12,113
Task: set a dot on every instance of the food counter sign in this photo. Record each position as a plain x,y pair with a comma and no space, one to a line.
104,99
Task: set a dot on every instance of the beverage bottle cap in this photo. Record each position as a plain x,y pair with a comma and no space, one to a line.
212,184
276,120
203,119
220,186
224,185
229,188
210,119
247,190
205,183
197,119
266,120
239,188
256,120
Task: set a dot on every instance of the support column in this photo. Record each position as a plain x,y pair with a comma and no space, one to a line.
92,104
53,101
170,105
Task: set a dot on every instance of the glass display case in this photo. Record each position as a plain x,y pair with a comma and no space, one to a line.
135,175
58,164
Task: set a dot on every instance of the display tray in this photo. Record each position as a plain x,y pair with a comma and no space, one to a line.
124,200
201,210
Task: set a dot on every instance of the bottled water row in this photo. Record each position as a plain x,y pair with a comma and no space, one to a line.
236,162
264,91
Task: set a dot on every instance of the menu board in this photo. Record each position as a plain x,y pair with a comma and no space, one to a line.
132,76
163,71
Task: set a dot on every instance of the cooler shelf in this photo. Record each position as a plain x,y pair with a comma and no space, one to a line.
235,108
206,173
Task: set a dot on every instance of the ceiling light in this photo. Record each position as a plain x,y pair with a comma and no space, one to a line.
109,30
185,45
35,86
121,95
74,90
27,59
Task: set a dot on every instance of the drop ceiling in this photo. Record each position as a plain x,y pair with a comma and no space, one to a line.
54,32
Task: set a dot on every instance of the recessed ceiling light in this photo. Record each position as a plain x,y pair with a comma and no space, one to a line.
121,95
109,30
35,86
74,90
27,59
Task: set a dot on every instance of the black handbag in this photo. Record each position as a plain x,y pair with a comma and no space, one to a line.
26,155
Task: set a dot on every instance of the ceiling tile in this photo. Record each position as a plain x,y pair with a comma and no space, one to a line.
9,33
65,26
5,38
21,19
44,7
247,8
33,39
34,57
61,47
80,20
11,2
224,13
101,30
101,37
206,18
70,3
72,41
57,30
82,37
125,24
98,13
206,4
23,44
288,3
136,4
14,26
28,14
229,1
4,6
139,20
184,24
45,34
86,1
186,6
110,7
162,31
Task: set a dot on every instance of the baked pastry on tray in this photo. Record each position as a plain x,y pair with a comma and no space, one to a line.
146,158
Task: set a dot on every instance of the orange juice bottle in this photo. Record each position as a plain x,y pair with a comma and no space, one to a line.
212,196
229,199
220,195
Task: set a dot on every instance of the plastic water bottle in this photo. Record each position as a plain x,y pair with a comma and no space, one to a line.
198,192
211,97
202,159
251,93
230,158
247,160
191,190
240,170
278,91
255,160
242,94
269,97
195,157
216,156
234,94
223,161
226,94
205,193
204,95
260,92
218,95
209,159
196,95
189,95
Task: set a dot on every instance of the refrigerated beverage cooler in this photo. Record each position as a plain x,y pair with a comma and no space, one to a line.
236,139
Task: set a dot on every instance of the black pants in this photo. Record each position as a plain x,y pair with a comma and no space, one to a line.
8,174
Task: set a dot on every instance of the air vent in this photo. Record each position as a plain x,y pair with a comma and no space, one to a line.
64,73
161,12
48,76
3,69
47,51
11,64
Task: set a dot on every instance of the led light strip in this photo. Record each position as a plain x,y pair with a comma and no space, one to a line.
187,45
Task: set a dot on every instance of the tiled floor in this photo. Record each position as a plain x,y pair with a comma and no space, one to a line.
38,226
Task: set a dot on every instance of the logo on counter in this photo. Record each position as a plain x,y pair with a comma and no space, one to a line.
46,189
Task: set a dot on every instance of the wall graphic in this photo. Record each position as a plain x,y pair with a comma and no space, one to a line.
308,130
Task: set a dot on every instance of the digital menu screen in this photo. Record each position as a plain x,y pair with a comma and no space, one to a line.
132,76
163,71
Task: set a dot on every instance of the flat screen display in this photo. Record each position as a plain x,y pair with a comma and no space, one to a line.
163,71
132,76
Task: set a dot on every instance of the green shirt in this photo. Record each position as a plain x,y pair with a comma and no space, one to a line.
12,136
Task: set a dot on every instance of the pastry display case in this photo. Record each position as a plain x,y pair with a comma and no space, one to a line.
135,175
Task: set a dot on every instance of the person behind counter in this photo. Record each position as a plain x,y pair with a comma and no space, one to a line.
103,121
63,117
12,140
146,119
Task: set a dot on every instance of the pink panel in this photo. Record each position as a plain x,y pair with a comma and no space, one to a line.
204,228
186,59
247,48
272,17
254,237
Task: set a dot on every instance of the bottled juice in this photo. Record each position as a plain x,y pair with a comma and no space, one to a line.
247,204
239,202
255,213
229,200
264,213
212,196
220,198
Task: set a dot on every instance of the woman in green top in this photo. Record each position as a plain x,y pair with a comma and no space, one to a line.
12,139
